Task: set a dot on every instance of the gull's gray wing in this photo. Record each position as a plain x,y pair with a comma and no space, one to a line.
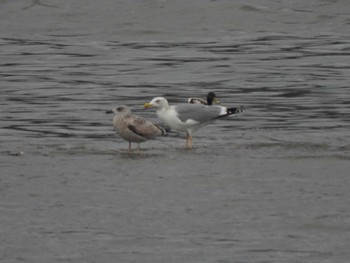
198,112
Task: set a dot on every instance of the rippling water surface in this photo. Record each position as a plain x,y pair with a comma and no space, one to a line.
268,185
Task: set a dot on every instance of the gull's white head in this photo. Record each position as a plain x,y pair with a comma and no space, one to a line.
158,103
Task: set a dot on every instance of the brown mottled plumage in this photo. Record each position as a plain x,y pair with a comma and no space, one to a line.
133,128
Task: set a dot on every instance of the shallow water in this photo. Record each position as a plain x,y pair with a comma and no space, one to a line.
268,185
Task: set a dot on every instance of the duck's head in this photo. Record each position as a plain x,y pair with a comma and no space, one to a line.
212,99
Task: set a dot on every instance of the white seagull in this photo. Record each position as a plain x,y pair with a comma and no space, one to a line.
133,128
188,117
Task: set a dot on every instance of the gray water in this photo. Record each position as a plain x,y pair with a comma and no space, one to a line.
269,185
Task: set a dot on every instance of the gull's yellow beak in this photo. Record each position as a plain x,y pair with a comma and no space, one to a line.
216,100
147,105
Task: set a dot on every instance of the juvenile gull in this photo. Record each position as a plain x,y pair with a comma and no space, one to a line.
188,117
211,98
133,128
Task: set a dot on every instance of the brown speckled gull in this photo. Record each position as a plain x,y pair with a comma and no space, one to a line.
133,128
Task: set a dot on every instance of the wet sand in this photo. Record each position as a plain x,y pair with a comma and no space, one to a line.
235,203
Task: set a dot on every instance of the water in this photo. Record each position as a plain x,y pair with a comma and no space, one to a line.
270,185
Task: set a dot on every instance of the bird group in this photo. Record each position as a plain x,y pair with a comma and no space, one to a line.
185,117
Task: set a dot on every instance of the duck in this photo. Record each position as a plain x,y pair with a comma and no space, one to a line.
210,100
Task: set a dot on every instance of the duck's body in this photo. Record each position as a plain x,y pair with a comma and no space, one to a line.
210,100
